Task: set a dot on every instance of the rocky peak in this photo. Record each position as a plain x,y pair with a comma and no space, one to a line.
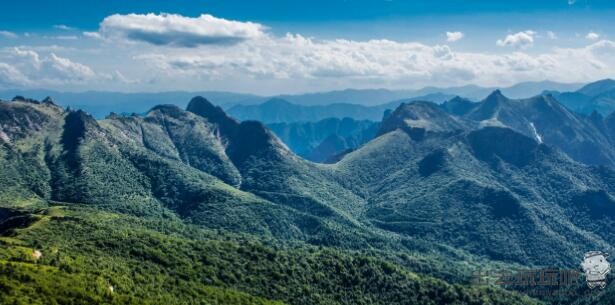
458,105
496,95
214,114
414,116
170,110
19,98
48,101
489,107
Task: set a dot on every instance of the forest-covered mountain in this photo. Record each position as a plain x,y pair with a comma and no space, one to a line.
193,206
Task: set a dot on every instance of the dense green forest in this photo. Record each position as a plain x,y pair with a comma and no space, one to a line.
194,207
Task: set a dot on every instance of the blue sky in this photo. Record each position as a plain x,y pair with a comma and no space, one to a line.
40,14
296,46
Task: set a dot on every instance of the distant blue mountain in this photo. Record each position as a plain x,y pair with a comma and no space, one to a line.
323,140
277,110
597,96
101,103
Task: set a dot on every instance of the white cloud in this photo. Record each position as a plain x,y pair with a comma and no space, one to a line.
551,35
66,69
592,36
63,27
65,37
520,40
295,59
49,69
453,36
180,31
7,34
270,64
61,37
11,77
93,35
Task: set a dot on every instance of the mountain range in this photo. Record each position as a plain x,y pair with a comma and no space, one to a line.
282,111
589,139
181,206
586,135
101,103
597,96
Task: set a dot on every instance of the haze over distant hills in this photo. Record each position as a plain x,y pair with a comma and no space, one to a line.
321,141
100,104
282,111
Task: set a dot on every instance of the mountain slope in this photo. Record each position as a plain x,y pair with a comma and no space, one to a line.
94,257
169,160
195,205
177,206
597,87
308,139
489,190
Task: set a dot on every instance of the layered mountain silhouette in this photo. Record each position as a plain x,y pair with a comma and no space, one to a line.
101,103
597,96
439,190
281,111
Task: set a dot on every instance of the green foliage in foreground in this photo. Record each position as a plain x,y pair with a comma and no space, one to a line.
153,261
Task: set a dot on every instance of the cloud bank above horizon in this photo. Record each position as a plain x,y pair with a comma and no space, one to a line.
155,52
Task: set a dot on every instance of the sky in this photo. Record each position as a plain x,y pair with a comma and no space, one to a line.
274,47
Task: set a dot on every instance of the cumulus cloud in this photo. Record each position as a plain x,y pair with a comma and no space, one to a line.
296,59
520,40
179,31
267,63
66,69
28,67
7,34
11,77
592,36
453,36
295,56
93,35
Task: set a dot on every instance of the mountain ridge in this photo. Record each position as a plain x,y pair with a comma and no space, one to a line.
432,196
